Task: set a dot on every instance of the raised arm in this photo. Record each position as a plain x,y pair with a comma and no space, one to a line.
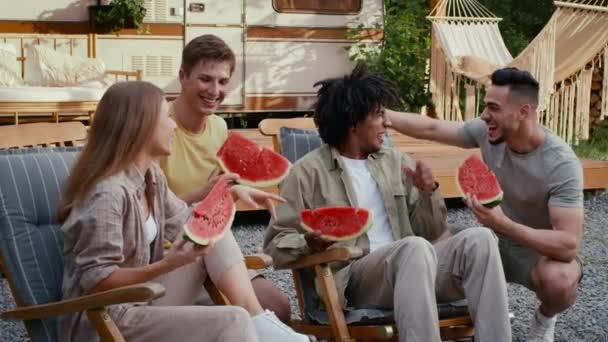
427,210
422,127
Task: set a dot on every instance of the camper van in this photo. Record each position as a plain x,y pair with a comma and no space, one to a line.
282,46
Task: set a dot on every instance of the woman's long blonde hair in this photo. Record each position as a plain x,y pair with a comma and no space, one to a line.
124,120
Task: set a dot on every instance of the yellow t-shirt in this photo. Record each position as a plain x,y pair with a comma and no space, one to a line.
192,158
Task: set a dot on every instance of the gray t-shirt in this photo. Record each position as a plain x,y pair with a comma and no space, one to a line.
551,175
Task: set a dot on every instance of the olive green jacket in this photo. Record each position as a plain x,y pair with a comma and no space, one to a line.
320,179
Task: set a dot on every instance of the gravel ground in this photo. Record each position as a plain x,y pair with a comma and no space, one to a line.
586,321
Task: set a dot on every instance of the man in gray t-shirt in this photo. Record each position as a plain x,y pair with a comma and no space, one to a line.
540,220
550,175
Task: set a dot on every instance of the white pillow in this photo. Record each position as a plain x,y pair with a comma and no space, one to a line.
32,73
47,67
10,71
101,84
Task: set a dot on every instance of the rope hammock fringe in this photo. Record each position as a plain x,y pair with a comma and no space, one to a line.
467,47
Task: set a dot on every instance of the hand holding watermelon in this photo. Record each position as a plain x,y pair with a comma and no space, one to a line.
214,177
422,177
202,192
316,243
493,218
183,253
230,177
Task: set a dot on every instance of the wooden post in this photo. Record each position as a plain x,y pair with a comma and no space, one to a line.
433,4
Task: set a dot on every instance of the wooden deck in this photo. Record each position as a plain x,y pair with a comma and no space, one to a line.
444,160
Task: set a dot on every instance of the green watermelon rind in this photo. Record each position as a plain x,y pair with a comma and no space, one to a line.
494,203
190,236
488,203
364,230
256,184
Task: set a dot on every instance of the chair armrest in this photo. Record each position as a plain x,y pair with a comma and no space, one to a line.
258,261
329,255
127,294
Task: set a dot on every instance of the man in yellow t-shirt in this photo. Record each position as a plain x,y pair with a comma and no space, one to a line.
191,164
191,170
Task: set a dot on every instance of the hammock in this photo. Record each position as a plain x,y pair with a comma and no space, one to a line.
468,47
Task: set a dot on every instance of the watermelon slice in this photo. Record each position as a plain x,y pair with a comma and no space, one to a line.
474,177
212,217
257,166
337,223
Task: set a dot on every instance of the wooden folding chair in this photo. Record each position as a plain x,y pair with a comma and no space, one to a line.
31,248
323,316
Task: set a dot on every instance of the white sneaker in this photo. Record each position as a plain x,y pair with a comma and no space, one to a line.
271,329
542,328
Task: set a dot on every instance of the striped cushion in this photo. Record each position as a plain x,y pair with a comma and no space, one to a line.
296,142
31,150
31,243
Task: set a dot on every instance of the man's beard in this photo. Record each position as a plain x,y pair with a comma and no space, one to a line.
500,139
497,141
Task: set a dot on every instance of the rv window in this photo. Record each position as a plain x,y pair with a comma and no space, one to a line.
318,6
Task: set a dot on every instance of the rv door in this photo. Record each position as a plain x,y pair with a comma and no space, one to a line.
223,18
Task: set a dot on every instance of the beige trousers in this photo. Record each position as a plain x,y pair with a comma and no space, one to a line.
173,317
411,275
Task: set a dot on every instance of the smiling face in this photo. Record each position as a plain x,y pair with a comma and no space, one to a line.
369,134
503,114
205,87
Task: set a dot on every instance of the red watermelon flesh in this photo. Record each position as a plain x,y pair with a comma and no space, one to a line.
256,166
337,223
212,217
475,178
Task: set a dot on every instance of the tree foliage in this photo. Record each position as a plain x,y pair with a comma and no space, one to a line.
403,55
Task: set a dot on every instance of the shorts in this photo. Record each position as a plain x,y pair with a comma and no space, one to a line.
518,261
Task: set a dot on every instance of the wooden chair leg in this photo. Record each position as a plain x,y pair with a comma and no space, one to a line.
216,296
105,326
332,303
299,295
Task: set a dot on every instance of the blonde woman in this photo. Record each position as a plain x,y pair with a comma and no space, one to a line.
116,212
